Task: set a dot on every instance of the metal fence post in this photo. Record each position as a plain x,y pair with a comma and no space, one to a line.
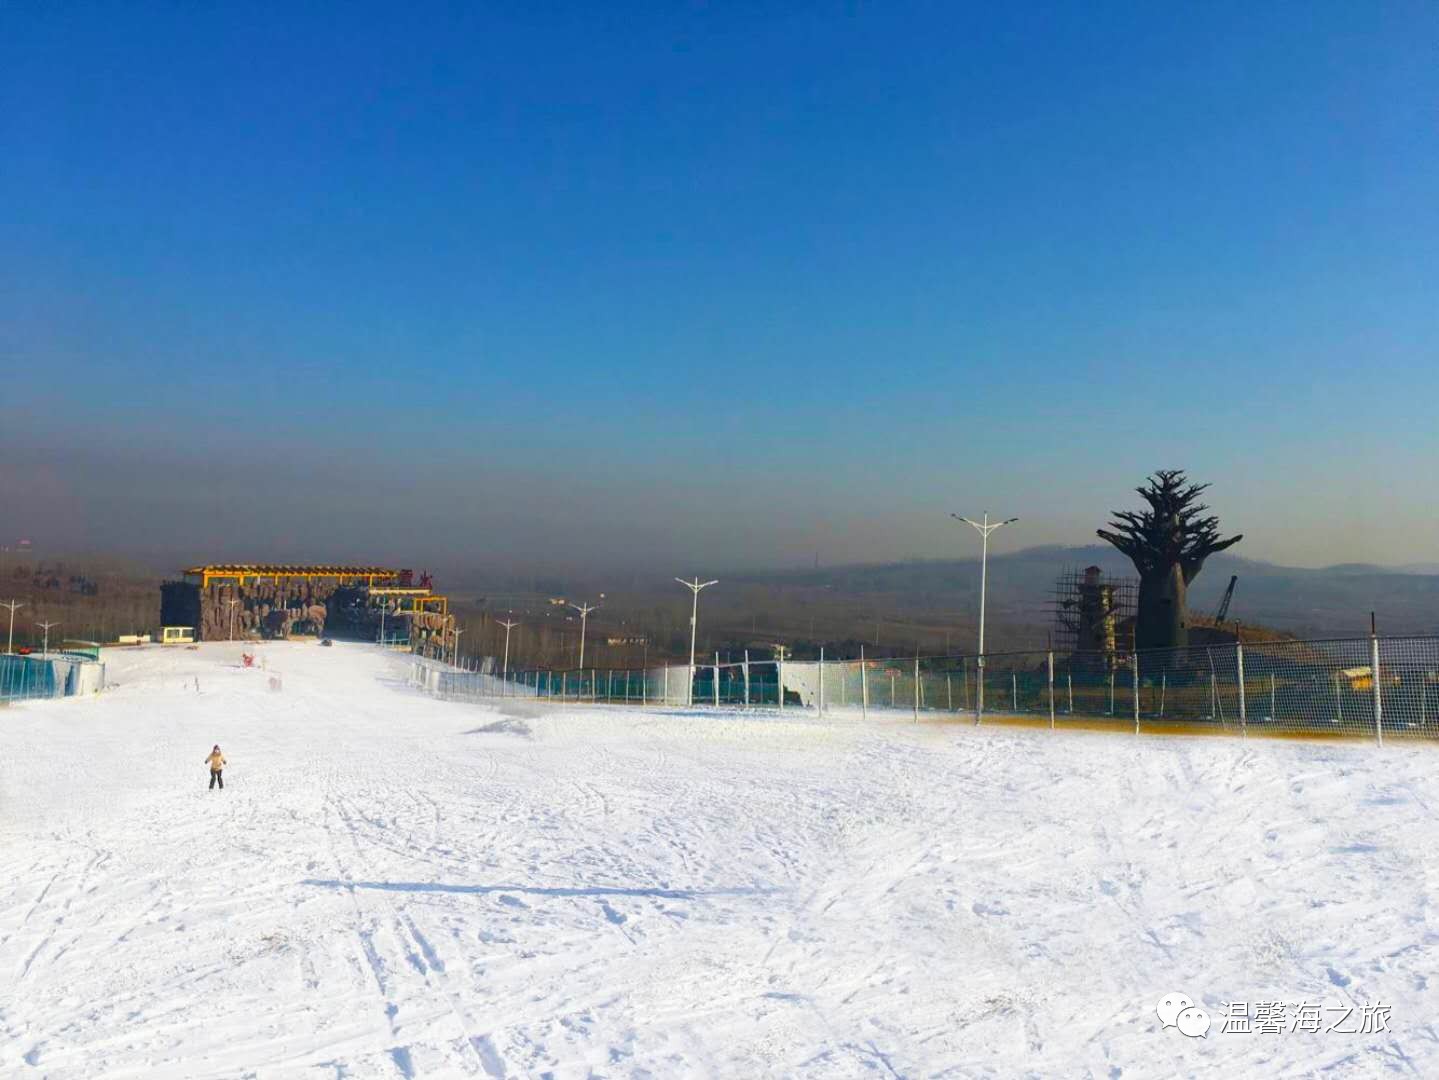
779,676
1069,685
1239,667
1378,700
1014,690
821,680
1051,689
916,688
666,699
863,685
746,678
1134,669
716,679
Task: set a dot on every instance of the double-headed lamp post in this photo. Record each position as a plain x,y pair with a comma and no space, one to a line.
984,528
695,586
508,624
12,605
45,649
584,610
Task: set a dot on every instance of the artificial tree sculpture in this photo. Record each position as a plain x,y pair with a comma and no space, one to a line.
1168,544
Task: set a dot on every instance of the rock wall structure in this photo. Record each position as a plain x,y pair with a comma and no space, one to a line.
264,609
268,602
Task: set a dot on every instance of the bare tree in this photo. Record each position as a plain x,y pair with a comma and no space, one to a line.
1168,544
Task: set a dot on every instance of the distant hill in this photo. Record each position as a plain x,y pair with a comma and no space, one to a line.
1332,601
926,606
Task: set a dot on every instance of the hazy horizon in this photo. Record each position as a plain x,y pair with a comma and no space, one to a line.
675,290
253,506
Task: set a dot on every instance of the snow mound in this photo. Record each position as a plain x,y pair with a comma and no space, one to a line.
509,725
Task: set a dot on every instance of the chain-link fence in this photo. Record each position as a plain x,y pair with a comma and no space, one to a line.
1360,687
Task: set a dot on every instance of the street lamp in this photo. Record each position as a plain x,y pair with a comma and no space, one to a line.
45,649
984,529
232,604
695,586
458,632
12,605
508,625
584,610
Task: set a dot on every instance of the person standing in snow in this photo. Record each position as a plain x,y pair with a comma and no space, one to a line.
216,761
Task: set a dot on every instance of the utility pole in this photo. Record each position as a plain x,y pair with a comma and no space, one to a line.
508,625
695,586
12,605
584,610
45,651
984,530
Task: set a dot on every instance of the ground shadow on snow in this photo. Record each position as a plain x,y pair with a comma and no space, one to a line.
593,890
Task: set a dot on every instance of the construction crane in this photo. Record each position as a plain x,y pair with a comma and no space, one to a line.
1224,604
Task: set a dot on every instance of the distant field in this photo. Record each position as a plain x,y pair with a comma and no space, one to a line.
894,609
126,597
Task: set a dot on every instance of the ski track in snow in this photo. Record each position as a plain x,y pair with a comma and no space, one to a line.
391,886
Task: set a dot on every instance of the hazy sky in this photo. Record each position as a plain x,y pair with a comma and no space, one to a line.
691,285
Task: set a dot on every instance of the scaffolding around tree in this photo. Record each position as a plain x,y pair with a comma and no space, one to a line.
1094,615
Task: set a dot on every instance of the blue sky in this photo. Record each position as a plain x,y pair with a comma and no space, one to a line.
731,283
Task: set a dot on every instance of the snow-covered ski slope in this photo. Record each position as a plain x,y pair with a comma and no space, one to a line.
391,886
